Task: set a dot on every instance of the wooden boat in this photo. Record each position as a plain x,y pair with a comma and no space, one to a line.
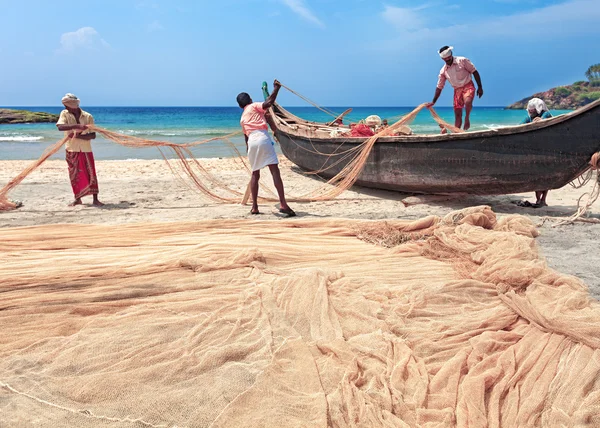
544,155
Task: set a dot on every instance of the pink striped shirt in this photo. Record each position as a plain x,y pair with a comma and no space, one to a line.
459,73
253,118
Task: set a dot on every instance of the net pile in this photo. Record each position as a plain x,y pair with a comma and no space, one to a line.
221,324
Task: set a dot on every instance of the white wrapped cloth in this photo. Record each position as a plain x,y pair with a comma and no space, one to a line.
373,120
538,105
261,150
71,101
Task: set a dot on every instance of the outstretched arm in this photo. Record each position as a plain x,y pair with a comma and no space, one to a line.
437,94
79,127
271,100
479,85
90,136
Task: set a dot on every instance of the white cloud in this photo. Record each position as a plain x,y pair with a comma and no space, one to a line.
84,38
404,19
300,9
570,18
155,26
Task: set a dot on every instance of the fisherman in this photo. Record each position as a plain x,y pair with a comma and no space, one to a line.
536,111
260,146
458,71
80,159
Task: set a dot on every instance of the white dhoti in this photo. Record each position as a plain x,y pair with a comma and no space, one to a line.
261,150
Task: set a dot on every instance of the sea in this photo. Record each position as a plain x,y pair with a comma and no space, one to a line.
186,124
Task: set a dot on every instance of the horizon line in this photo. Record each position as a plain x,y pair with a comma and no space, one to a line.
208,106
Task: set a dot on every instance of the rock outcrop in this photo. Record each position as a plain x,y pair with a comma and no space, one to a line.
568,97
25,116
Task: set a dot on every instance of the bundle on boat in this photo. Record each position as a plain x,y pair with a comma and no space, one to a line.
319,323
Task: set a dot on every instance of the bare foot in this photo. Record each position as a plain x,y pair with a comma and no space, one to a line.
467,124
75,202
97,203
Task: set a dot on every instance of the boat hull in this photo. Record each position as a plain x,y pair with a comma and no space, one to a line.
512,160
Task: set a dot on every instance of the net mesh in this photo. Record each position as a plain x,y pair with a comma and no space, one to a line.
318,323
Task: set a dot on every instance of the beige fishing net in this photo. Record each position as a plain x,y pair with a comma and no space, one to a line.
319,323
211,186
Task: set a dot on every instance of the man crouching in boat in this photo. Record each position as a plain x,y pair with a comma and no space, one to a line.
536,111
260,147
458,71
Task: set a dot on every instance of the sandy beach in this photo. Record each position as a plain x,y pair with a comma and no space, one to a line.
138,191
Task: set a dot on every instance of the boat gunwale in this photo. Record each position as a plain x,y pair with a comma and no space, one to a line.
434,138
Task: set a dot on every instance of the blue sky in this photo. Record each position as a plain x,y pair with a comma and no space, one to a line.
336,52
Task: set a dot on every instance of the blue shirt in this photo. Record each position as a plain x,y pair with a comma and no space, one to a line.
545,115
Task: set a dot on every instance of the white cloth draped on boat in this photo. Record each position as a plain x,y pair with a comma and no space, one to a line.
261,150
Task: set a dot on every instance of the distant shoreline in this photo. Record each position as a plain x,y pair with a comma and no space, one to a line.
569,97
10,116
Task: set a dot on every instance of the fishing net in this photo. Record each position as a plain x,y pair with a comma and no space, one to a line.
455,322
190,170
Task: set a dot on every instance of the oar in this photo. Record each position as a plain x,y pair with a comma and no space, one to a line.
339,117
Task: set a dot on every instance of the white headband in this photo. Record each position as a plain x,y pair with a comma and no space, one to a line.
70,100
446,53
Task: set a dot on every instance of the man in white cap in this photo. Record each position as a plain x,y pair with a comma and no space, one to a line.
458,71
80,159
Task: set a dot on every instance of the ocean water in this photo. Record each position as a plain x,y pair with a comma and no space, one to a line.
186,124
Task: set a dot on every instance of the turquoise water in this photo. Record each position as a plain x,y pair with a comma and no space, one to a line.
185,124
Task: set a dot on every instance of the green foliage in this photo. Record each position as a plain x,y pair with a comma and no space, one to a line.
593,74
588,97
579,83
562,92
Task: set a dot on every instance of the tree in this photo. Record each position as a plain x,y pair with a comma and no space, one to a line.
593,74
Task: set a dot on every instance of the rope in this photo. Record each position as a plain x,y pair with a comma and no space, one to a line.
323,109
435,116
5,203
592,196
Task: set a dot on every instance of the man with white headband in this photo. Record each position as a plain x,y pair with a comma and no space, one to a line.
458,71
80,159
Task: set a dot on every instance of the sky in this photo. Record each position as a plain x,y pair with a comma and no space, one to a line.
335,52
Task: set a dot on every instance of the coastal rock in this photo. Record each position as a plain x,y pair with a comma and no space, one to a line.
25,116
568,97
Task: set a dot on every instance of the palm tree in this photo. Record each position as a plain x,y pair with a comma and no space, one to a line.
593,74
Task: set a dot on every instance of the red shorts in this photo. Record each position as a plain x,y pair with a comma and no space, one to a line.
462,93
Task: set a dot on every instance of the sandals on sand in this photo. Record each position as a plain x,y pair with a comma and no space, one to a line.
288,212
529,204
